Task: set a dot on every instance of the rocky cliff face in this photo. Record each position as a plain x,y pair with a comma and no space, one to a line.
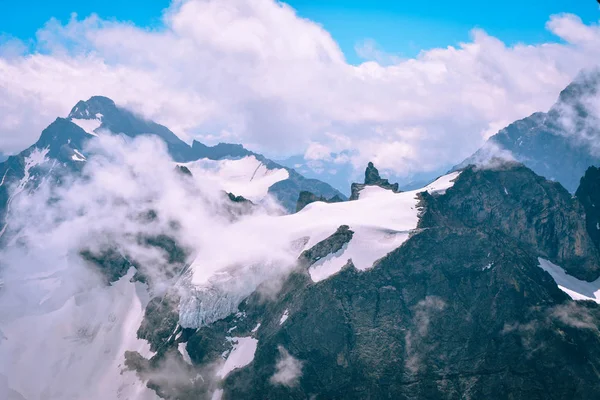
460,310
515,201
588,194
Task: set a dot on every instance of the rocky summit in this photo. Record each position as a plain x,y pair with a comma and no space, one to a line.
372,178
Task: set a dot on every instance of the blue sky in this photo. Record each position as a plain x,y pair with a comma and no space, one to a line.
398,27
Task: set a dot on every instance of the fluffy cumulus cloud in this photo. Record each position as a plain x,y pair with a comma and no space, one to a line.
257,73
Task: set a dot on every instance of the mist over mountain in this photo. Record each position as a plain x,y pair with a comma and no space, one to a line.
134,265
559,144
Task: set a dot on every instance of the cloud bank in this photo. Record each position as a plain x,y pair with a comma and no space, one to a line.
60,320
257,73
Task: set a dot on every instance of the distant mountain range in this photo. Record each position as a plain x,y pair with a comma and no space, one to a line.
62,145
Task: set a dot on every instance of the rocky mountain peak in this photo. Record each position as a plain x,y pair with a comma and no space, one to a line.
586,84
559,144
92,107
372,178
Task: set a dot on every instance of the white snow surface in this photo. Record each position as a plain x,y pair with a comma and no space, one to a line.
77,156
89,125
241,355
246,176
284,317
83,347
575,288
184,353
381,221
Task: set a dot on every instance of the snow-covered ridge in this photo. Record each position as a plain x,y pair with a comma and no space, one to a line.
381,220
247,177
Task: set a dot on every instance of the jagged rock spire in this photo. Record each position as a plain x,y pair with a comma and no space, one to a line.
372,178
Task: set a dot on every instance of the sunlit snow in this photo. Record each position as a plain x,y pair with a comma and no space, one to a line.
575,288
381,220
89,125
284,317
241,355
184,353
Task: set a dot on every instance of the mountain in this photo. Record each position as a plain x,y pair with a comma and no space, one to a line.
372,178
484,283
61,149
467,306
559,144
101,113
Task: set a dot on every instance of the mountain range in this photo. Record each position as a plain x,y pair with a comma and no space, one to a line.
62,148
483,283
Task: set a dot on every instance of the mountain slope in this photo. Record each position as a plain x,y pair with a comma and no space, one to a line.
462,309
560,144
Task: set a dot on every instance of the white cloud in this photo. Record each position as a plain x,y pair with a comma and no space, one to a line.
58,316
288,369
256,73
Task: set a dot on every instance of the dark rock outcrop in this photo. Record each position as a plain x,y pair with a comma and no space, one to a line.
330,245
305,198
515,201
372,178
588,194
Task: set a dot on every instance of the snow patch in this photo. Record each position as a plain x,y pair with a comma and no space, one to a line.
440,185
575,288
256,328
184,353
217,394
88,125
241,355
77,156
284,317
